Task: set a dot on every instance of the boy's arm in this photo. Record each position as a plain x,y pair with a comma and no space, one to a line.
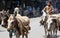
44,8
52,10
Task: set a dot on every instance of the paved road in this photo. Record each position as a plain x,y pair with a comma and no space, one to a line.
36,31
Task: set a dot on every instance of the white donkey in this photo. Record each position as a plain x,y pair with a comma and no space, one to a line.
47,19
50,23
52,26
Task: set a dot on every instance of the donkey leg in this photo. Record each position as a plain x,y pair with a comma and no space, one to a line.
45,31
10,33
50,33
17,34
55,33
26,35
23,35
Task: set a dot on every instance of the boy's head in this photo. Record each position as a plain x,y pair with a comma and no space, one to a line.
49,3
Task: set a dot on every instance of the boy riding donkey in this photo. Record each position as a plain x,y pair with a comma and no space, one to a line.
47,10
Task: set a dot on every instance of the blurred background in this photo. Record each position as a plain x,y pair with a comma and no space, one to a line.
28,6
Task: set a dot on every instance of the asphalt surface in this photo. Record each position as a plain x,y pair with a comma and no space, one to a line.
36,31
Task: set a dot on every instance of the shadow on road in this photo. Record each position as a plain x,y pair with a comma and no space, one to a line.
58,36
48,36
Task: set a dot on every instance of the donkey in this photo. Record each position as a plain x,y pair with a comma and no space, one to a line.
20,24
45,17
4,17
52,26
